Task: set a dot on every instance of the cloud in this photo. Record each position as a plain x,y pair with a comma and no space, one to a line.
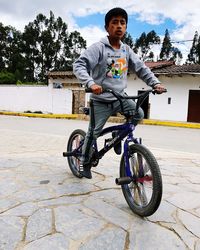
92,34
184,13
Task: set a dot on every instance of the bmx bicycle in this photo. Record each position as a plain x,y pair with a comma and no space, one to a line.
139,176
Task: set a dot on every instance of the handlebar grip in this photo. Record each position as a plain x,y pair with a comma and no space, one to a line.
154,91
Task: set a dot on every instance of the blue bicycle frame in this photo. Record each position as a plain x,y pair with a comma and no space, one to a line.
126,130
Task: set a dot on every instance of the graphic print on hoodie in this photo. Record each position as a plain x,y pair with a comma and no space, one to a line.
116,64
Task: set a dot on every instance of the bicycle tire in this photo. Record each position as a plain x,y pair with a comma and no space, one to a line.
76,137
148,202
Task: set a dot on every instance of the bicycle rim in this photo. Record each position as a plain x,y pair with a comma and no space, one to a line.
144,193
74,145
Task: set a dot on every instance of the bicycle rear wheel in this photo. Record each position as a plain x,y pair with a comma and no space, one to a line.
144,193
74,144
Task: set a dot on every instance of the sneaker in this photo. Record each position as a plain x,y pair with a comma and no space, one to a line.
85,168
118,147
85,171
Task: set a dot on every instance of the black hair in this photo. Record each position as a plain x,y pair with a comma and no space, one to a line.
115,12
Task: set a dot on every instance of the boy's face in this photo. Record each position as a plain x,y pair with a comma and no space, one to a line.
116,27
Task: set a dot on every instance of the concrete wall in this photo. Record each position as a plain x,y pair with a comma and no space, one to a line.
35,98
59,101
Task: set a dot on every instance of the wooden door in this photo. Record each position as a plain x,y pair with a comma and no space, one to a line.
145,105
194,106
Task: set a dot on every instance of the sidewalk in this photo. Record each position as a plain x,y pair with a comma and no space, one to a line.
112,119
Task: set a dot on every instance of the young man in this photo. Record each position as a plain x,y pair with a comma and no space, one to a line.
104,65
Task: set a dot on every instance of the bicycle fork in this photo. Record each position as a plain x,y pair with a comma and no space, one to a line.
128,178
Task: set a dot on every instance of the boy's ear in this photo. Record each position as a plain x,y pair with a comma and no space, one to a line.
106,28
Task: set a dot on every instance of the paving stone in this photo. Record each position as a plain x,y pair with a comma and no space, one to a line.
109,239
113,197
11,232
109,212
145,235
39,224
8,186
75,223
61,201
34,194
186,200
23,210
191,222
6,163
8,203
186,236
51,242
164,213
74,188
197,245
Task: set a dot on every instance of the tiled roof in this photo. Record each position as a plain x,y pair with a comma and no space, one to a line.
169,68
161,64
159,68
179,69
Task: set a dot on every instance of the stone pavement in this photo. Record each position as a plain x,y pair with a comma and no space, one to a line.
42,206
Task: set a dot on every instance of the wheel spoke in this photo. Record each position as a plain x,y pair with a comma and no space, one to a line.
142,195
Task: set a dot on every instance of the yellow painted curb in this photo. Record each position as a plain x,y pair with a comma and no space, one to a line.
57,116
111,119
171,123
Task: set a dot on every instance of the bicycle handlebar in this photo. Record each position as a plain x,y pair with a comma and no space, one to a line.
117,95
140,98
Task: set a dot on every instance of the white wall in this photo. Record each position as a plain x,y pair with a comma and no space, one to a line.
177,89
35,98
59,101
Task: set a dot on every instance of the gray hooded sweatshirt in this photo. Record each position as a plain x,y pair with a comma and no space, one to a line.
103,65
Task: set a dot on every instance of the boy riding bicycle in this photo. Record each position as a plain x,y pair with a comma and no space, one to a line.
105,65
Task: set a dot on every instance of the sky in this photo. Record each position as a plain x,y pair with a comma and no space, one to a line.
180,17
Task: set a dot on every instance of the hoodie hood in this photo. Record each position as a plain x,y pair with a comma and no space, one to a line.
106,42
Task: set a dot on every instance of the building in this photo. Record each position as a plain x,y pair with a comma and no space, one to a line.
182,100
65,95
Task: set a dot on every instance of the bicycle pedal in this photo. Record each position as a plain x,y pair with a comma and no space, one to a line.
66,154
123,180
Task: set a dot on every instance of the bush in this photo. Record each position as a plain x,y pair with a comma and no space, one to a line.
30,83
7,78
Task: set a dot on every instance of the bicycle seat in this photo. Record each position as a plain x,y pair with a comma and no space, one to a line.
84,110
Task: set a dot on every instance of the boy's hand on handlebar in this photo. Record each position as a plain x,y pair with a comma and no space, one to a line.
96,89
159,88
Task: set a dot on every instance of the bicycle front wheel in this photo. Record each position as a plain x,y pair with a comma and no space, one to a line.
144,193
74,144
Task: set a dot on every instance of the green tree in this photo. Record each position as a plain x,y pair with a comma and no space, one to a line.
165,53
3,41
15,62
11,58
73,47
169,52
144,44
49,46
194,55
198,51
128,40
